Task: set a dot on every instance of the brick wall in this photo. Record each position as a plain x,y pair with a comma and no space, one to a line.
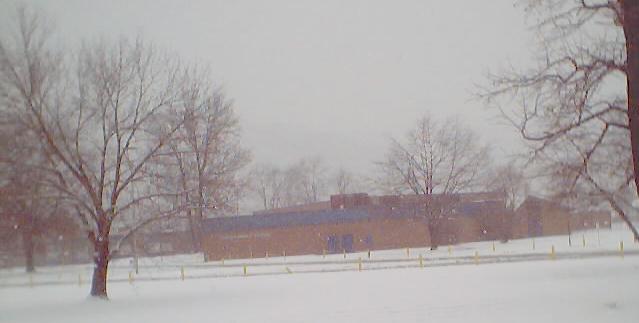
377,233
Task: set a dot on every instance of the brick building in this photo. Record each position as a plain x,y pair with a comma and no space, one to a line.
357,222
541,217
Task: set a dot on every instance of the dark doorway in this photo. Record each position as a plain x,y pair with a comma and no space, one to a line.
347,242
369,241
333,244
535,226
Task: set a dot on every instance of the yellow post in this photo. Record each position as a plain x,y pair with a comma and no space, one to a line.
407,252
130,277
476,257
369,254
450,250
359,264
421,261
284,254
222,261
552,252
323,253
244,270
583,240
182,272
621,248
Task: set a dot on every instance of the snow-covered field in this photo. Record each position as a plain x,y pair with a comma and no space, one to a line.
594,283
585,290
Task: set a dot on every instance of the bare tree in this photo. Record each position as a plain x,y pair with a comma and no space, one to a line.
101,120
268,184
312,174
510,180
302,182
580,121
436,161
207,153
344,181
26,206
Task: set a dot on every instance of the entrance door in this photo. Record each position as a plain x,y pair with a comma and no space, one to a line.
347,242
535,226
333,244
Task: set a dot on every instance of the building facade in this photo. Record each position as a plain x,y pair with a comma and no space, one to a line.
358,222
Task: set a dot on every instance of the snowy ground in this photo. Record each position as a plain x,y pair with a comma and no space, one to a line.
585,290
595,283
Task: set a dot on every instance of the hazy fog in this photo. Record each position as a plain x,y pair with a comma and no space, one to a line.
328,78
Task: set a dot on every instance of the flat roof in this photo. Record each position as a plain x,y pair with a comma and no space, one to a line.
279,220
300,218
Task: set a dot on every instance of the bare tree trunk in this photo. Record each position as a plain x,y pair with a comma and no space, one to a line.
27,245
101,255
195,245
101,263
631,31
200,211
434,233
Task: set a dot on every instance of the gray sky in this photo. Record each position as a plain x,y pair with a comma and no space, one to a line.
328,78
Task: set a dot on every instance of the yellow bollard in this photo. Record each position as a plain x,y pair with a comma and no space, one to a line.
552,252
369,254
494,249
284,254
450,250
251,254
222,261
476,257
182,272
359,264
421,261
244,270
583,240
131,277
621,248
323,253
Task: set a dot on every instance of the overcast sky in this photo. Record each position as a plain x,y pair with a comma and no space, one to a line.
328,78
